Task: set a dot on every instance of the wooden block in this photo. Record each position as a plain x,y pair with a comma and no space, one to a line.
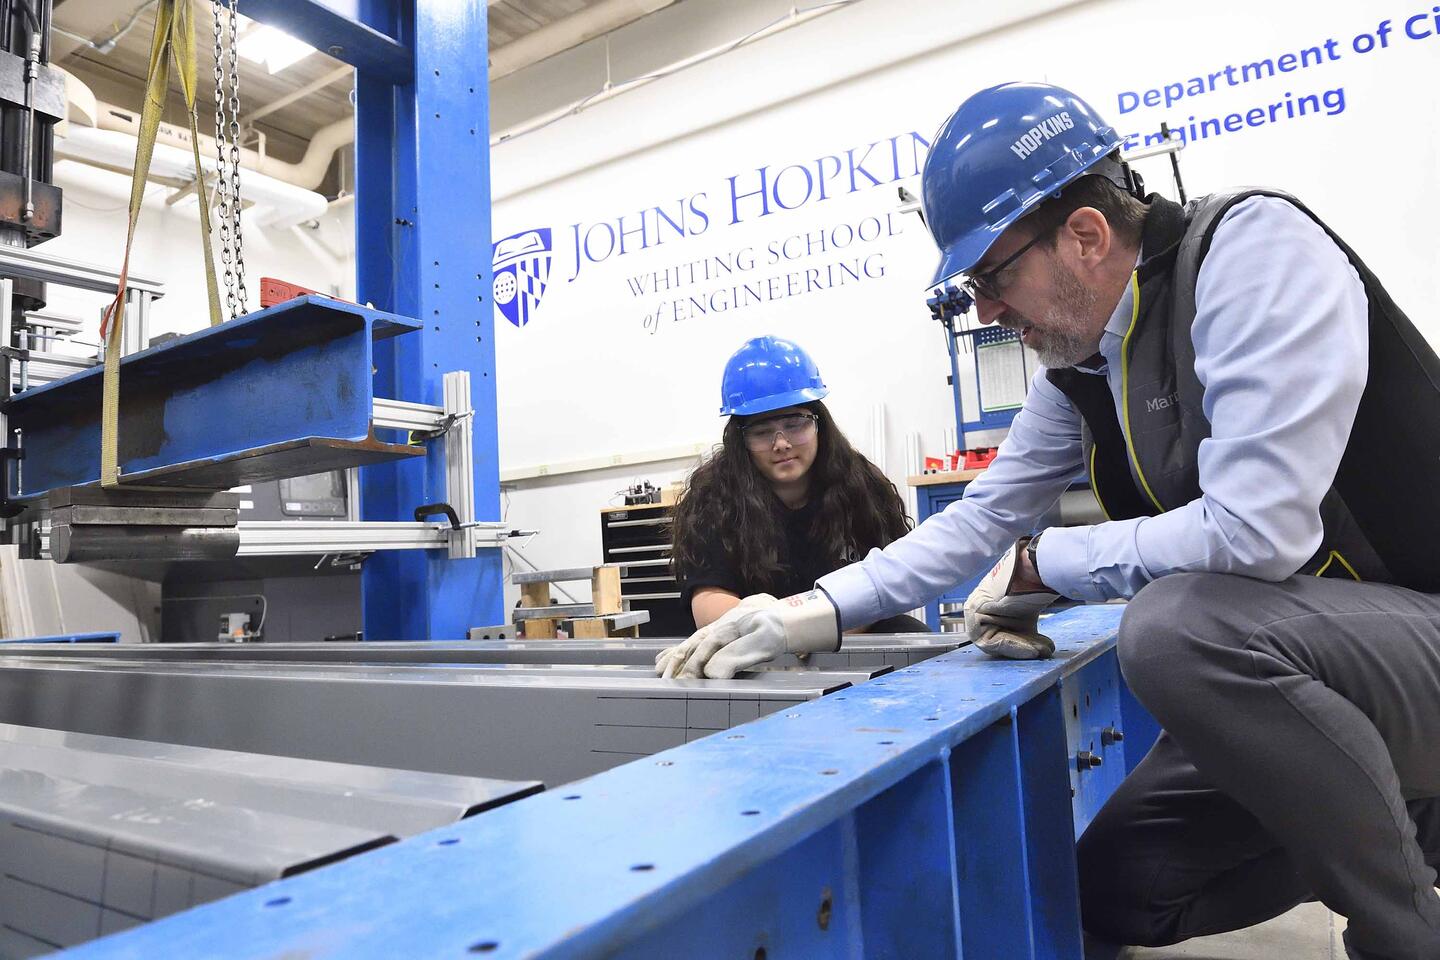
585,628
631,632
605,590
540,629
535,595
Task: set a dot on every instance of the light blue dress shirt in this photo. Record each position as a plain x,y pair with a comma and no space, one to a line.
1281,350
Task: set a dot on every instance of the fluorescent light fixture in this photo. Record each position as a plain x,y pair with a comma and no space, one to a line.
274,48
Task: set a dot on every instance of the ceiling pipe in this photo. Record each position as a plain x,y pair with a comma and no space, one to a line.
308,173
610,91
593,21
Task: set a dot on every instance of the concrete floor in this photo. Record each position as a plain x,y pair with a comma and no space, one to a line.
1309,932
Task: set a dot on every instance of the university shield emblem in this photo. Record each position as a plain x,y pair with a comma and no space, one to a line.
522,267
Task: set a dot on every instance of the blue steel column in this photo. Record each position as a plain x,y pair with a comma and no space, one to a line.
423,242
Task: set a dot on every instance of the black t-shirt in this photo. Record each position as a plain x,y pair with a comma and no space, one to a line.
802,562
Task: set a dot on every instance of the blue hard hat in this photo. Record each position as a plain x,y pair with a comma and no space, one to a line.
1002,152
766,374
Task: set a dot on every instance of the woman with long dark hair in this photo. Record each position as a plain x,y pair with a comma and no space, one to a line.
784,499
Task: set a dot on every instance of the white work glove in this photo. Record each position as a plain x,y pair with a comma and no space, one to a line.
803,624
669,661
1005,624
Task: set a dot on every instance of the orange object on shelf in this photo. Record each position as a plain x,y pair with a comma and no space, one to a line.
980,457
273,291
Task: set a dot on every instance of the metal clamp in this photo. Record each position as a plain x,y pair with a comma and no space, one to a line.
432,509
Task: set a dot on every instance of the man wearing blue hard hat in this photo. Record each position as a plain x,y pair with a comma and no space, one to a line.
1261,424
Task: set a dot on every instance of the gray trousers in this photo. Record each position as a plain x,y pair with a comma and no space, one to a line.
1300,761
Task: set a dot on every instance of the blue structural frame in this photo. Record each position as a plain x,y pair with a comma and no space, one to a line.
924,814
68,638
238,403
422,221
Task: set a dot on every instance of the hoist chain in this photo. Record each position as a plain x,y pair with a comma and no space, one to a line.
227,157
235,159
222,184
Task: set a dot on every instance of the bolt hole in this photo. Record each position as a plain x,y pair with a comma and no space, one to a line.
760,953
932,719
277,902
643,867
664,763
822,918
749,813
573,796
485,946
828,773
449,841
887,743
736,736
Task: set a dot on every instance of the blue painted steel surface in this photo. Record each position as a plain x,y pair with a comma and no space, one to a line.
423,235
296,371
342,29
68,638
922,814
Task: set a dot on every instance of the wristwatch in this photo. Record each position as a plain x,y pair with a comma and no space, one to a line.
1030,552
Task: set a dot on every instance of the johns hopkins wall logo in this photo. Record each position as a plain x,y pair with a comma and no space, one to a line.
522,267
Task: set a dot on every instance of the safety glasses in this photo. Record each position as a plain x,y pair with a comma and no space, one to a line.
798,429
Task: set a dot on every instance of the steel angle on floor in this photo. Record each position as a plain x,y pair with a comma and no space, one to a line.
281,392
889,819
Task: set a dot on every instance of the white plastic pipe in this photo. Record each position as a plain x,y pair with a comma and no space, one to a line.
308,173
276,203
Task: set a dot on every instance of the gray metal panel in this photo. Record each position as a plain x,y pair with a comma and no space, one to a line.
515,723
395,802
98,834
897,651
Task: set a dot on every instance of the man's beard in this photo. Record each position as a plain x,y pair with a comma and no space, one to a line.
1061,338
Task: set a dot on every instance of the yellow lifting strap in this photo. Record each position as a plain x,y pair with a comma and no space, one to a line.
174,36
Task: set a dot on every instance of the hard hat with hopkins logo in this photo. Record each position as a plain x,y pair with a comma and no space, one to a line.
1000,154
766,374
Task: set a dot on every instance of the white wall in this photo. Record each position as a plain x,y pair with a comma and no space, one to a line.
594,373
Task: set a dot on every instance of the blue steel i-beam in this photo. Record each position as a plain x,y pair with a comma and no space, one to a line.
923,814
422,224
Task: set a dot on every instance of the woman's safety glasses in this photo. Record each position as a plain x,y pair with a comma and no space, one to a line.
798,429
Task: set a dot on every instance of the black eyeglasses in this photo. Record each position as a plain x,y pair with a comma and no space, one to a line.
987,284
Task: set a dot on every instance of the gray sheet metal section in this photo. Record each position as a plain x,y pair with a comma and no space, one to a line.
861,652
98,834
397,802
519,723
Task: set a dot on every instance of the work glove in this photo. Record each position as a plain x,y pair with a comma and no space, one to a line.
669,661
1005,624
746,636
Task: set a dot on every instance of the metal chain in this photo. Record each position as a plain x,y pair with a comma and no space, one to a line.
222,185
235,157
